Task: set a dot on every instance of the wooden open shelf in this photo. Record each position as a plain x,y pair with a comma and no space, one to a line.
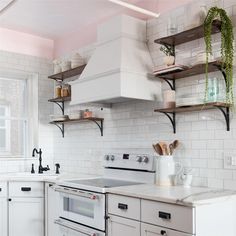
67,74
96,120
188,35
192,108
171,112
192,71
60,99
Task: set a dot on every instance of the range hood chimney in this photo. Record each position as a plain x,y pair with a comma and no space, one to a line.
118,69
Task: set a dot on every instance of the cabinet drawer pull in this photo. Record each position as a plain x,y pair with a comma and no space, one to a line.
122,206
163,232
164,215
25,189
0,189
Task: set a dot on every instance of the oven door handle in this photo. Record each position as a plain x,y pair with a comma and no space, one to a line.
75,228
76,192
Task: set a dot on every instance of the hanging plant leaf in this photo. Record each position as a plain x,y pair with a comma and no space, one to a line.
227,48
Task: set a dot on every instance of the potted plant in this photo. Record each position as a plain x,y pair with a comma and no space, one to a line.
169,51
227,47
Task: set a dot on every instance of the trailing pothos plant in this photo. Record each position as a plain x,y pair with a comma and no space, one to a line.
227,47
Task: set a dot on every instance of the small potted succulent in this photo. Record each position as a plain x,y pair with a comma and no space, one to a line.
169,51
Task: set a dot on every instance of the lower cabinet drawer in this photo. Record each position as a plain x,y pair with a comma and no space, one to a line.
151,230
168,215
3,189
127,207
26,189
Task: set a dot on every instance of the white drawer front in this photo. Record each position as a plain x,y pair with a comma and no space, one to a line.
124,206
168,215
3,189
26,189
151,230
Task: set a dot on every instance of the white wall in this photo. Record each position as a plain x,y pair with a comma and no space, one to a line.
27,65
133,127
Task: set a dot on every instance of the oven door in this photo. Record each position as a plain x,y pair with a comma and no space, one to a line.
67,228
82,207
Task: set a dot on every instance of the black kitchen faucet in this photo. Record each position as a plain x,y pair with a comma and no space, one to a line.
41,168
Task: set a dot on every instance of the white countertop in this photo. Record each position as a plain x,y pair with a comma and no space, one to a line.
192,196
45,177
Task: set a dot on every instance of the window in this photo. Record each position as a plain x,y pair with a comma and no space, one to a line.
16,119
4,129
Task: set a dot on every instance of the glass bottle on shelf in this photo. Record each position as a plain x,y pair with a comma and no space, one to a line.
213,90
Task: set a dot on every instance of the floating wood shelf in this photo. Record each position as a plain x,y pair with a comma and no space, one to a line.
192,71
67,74
96,120
188,35
60,99
171,112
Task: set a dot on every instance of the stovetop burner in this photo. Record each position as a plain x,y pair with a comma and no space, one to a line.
102,182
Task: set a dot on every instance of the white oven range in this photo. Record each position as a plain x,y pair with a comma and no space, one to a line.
83,201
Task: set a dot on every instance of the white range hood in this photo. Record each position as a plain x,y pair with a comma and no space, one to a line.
118,69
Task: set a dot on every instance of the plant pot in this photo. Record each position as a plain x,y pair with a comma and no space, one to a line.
169,60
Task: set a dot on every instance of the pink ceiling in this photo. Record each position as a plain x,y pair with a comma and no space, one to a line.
83,37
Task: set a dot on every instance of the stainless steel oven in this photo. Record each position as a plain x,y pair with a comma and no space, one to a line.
83,207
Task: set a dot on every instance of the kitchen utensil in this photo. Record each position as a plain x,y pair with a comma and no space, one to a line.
162,148
166,149
171,147
176,144
157,149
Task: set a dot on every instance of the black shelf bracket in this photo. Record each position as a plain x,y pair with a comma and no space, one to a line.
62,128
226,112
222,70
172,118
62,106
100,125
170,82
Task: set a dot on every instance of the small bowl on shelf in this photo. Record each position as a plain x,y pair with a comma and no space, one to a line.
55,118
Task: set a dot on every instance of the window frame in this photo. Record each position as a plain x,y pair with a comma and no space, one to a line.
31,118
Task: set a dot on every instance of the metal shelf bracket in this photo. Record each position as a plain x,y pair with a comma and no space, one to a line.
172,118
170,82
62,128
225,111
100,125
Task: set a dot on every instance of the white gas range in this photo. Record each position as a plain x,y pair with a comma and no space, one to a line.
83,201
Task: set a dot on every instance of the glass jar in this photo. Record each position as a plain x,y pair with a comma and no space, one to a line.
65,91
213,90
58,91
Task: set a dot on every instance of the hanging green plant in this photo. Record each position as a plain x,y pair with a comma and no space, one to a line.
227,48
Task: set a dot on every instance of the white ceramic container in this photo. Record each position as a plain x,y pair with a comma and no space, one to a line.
167,170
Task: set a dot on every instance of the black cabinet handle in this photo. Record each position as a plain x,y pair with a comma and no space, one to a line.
0,189
25,189
163,232
9,199
50,185
164,215
122,206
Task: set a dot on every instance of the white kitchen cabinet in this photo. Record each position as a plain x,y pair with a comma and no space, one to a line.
118,226
51,210
151,230
3,209
3,216
26,209
26,217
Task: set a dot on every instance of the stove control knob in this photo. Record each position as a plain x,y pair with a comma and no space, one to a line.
112,157
139,159
106,157
145,159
